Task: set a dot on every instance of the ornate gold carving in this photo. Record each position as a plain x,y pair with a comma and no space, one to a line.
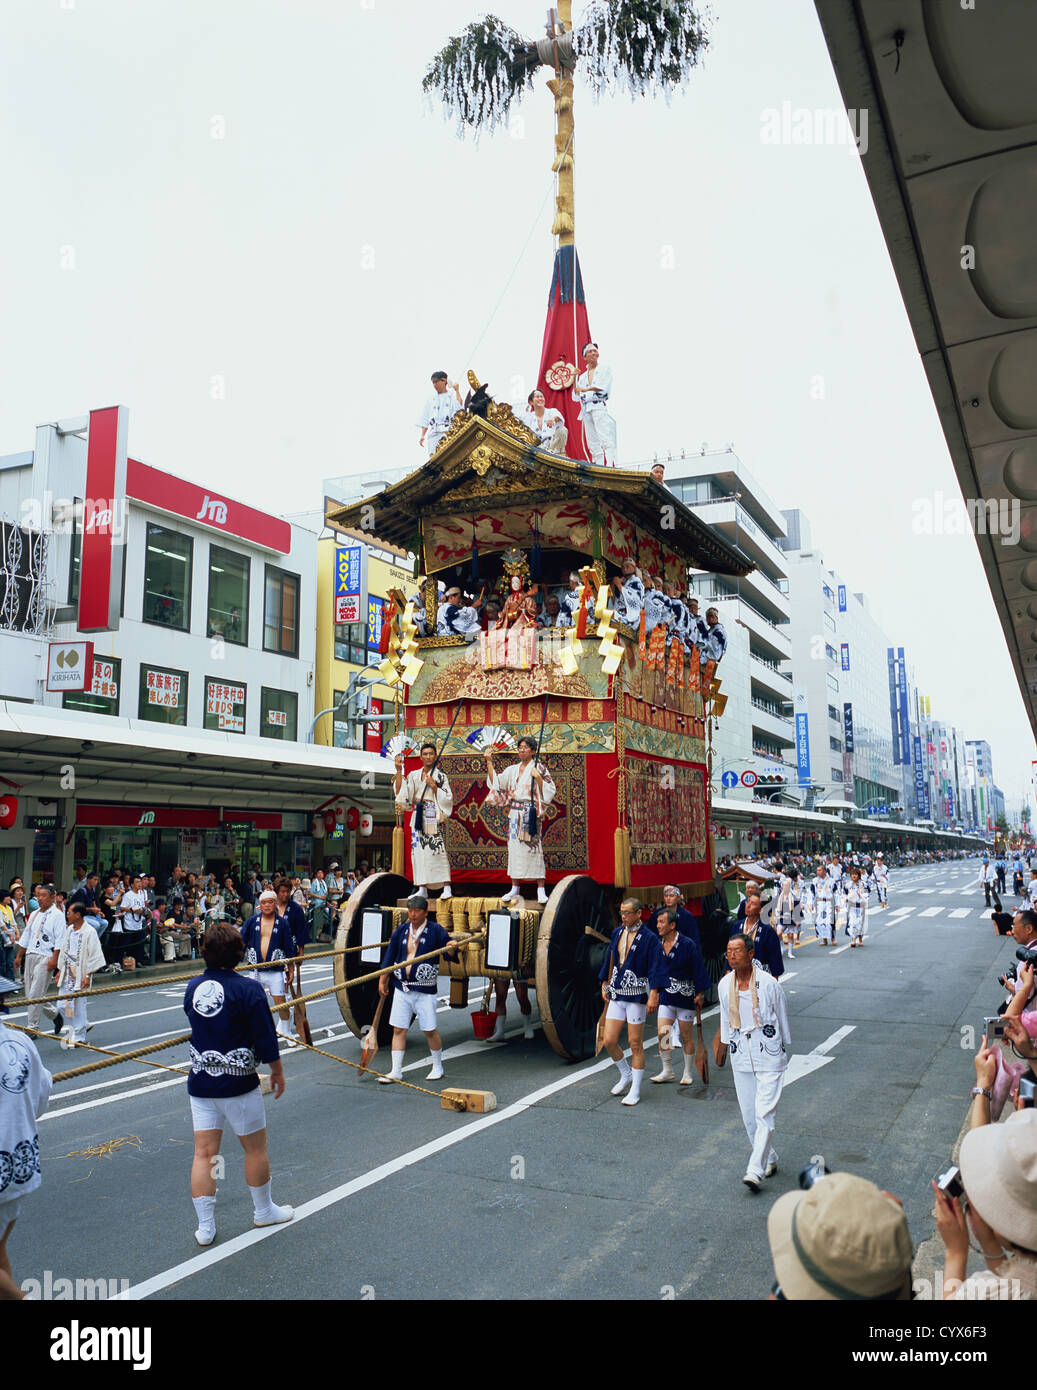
480,458
500,414
425,643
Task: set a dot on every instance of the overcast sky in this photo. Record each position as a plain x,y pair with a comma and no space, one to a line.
241,219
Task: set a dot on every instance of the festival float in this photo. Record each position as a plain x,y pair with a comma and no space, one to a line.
623,725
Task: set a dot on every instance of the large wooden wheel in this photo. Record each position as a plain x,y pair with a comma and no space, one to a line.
568,960
357,1006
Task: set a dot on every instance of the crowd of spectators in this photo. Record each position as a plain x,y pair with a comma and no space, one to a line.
140,920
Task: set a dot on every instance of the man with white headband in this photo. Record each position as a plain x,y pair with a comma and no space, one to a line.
438,412
592,392
268,937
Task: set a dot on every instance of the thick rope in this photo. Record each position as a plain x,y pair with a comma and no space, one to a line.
180,979
275,1008
108,1052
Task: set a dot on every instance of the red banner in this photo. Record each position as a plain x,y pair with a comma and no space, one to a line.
565,333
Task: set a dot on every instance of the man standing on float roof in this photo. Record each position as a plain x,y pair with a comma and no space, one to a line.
438,411
592,391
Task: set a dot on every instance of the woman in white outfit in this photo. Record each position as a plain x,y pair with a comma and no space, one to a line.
856,907
524,787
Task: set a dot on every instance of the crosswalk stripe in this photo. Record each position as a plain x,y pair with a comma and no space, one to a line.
930,911
959,912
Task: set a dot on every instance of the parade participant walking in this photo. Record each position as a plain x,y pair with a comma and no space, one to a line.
268,937
765,941
784,915
822,892
1000,868
526,788
633,975
414,986
881,880
673,900
231,1031
856,903
42,939
79,959
682,998
754,1025
592,392
25,1086
438,411
426,791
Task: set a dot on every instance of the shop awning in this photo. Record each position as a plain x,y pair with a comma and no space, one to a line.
61,753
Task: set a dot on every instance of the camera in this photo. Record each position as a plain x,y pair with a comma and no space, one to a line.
950,1183
994,1028
815,1169
1027,954
1027,1091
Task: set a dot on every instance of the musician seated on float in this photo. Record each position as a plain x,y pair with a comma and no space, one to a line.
455,618
569,594
554,615
490,615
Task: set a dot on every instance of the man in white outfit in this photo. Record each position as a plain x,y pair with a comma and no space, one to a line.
754,1025
438,411
42,939
592,392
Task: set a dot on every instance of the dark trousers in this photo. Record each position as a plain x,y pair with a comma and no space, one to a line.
1001,880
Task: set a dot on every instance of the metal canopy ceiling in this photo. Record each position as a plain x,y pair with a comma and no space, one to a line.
951,161
126,760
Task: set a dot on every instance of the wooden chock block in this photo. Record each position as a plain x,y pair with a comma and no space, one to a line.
460,1098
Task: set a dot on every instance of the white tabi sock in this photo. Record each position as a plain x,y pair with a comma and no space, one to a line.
624,1077
267,1212
436,1073
498,1028
205,1210
446,891
421,891
634,1094
397,1063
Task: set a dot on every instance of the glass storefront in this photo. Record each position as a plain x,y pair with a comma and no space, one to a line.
167,578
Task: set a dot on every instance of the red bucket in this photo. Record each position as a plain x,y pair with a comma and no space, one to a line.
484,1023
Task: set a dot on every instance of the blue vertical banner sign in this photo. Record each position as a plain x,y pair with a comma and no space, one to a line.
921,786
842,598
845,650
802,738
894,709
848,728
902,705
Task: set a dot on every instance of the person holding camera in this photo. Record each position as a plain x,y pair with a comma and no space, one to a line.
754,1027
996,1195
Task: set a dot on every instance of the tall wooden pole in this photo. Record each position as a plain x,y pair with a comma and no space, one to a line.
561,88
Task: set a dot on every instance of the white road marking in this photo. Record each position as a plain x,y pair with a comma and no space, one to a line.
930,912
802,1064
959,912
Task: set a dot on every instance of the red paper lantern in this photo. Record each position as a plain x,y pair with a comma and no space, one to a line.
329,822
352,818
8,812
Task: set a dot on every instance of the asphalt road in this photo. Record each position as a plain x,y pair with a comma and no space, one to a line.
559,1193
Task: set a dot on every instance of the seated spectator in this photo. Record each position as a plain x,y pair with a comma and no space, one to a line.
456,619
841,1240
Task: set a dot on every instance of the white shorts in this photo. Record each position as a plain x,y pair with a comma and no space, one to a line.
9,1213
245,1114
626,1010
668,1012
413,1005
275,982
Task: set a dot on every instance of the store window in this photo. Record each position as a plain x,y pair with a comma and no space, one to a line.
278,714
351,643
833,683
103,694
167,578
837,774
281,612
835,745
228,596
833,713
224,706
163,695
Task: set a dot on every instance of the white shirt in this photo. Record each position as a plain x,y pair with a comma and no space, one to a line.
544,427
602,386
133,907
438,410
44,932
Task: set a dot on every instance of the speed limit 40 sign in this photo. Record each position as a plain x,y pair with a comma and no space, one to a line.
749,778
